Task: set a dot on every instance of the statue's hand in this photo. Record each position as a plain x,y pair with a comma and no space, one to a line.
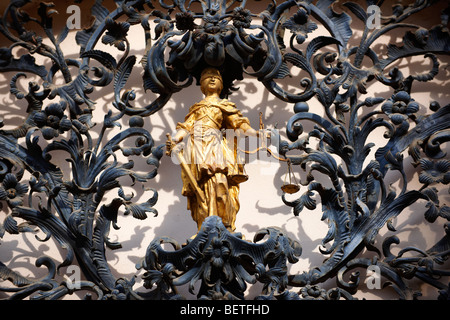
178,147
252,132
174,144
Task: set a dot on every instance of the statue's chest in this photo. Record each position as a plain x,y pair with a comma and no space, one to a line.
209,114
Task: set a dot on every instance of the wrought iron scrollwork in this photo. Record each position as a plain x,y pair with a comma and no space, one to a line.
224,261
269,46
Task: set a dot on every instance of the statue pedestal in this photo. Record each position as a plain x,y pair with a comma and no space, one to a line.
223,262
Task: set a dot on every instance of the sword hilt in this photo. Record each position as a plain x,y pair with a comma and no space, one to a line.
169,144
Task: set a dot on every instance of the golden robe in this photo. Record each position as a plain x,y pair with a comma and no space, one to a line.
212,160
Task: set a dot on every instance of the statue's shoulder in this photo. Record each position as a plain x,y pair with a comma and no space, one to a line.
228,106
196,106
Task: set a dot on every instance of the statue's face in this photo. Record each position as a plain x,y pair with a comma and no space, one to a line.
211,82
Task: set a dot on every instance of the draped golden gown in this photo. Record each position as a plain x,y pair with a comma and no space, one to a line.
212,160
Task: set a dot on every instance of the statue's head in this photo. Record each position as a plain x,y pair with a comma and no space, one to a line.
211,77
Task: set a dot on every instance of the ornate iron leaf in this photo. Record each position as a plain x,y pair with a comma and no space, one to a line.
267,45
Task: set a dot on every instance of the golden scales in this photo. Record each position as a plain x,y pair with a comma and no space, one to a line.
290,184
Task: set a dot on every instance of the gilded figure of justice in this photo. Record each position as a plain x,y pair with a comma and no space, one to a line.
328,50
211,181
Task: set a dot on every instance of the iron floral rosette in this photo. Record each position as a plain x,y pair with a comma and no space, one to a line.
270,45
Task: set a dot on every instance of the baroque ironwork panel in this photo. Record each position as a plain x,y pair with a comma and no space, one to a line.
268,45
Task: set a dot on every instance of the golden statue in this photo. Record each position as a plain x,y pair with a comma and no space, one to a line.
211,171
